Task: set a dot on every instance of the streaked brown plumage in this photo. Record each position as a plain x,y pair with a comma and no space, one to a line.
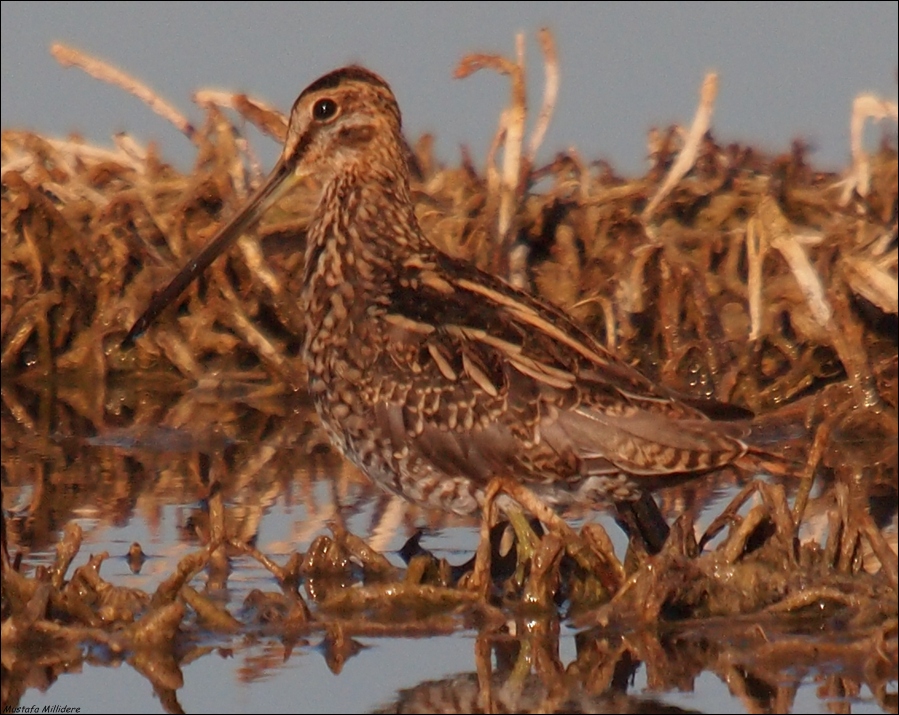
431,375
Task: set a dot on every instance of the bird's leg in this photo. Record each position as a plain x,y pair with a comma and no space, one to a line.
643,523
579,549
526,541
479,578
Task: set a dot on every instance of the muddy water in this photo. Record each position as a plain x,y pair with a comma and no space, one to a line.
146,467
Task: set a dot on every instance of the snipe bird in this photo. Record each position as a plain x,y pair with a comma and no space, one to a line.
431,375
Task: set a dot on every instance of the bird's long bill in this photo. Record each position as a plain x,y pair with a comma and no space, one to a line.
280,181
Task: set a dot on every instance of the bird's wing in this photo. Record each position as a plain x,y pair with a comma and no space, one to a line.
502,381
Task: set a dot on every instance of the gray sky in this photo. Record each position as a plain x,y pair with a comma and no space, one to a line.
786,70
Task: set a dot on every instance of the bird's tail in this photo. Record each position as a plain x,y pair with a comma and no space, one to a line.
780,441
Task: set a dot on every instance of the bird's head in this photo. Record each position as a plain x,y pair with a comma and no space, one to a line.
345,118
346,121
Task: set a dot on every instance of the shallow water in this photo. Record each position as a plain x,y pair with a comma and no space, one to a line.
130,468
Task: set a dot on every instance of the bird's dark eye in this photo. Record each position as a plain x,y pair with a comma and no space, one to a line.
324,109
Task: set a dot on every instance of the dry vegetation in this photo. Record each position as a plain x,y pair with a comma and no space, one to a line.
780,295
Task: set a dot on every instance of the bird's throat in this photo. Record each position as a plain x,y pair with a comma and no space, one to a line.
353,247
